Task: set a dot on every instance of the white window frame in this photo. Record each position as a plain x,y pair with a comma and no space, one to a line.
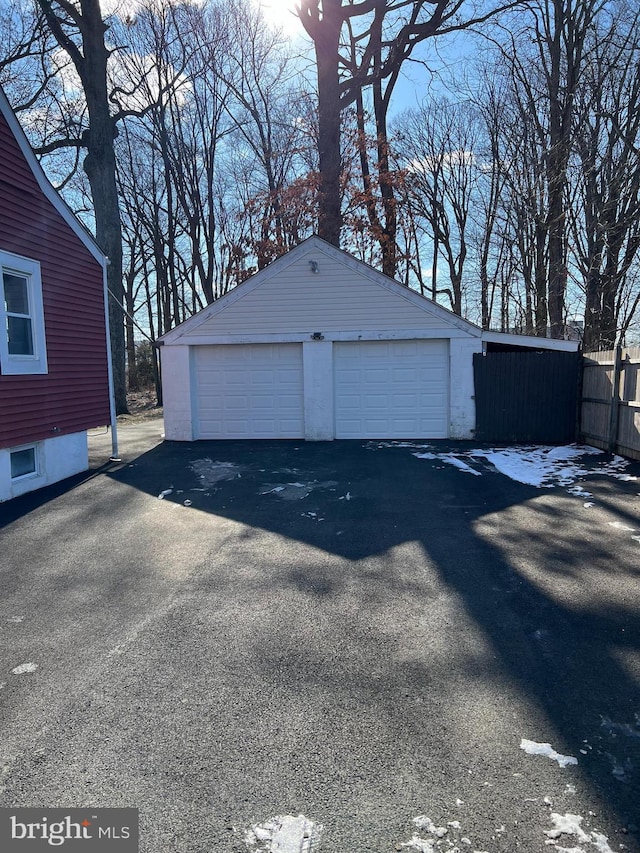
12,364
36,458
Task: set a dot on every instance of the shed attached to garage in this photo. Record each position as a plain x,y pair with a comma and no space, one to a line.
320,346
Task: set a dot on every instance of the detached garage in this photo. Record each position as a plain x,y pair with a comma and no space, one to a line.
320,346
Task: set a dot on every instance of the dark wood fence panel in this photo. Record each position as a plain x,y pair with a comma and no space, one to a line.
526,396
610,403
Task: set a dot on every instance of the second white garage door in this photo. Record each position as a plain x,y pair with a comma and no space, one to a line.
391,389
249,391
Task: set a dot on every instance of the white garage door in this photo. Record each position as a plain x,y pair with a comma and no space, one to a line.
249,391
391,389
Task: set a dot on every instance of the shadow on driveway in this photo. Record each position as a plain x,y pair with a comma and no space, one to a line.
341,629
553,592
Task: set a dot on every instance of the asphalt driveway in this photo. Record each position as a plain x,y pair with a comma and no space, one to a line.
338,648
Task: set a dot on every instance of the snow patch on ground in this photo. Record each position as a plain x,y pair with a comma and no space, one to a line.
450,459
533,748
567,824
600,842
24,667
571,824
285,834
210,472
295,491
412,445
422,845
539,466
620,526
439,839
425,823
566,829
535,465
620,770
579,492
627,729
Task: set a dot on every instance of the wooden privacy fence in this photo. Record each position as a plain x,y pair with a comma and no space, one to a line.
610,401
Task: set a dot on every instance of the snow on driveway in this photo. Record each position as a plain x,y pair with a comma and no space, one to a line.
298,834
284,834
534,465
533,748
211,471
555,466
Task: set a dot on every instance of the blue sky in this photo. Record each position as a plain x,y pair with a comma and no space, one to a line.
445,57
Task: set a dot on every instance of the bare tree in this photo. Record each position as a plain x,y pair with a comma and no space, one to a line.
605,220
381,36
545,62
493,247
439,143
83,87
80,31
264,84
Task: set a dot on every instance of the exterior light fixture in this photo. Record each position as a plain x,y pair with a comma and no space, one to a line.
317,336
314,267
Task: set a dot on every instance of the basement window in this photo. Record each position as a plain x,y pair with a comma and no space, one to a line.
24,462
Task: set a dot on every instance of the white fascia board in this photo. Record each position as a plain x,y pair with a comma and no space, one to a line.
342,335
530,341
46,186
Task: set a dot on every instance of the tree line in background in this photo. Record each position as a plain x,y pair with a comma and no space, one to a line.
200,143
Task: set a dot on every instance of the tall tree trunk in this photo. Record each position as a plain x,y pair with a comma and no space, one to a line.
592,311
389,234
556,171
329,112
100,167
540,283
132,368
100,162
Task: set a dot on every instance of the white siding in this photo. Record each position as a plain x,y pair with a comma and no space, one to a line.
176,393
463,401
338,298
391,389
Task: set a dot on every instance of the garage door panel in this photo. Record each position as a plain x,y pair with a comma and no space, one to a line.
250,391
391,389
373,374
405,374
405,401
288,377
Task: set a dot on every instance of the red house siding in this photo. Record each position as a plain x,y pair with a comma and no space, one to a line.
73,395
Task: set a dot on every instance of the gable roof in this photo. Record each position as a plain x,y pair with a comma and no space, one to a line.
388,294
45,185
